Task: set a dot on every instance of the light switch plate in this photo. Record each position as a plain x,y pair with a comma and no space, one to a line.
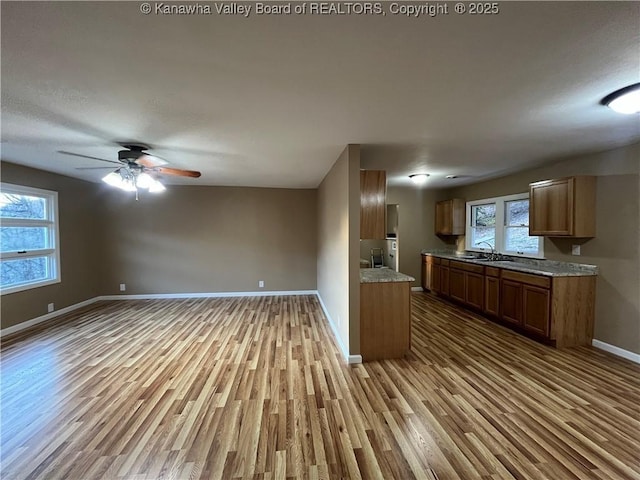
575,250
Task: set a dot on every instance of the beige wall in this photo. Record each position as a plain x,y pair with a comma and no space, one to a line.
338,247
615,247
79,251
210,239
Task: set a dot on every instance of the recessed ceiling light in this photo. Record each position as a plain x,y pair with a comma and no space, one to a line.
451,176
419,178
626,100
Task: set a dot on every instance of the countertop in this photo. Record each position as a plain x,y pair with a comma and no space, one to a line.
383,275
548,268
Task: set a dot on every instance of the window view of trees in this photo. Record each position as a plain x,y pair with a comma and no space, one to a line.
484,225
25,238
517,228
22,206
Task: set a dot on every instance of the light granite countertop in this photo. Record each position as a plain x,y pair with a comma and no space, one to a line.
383,275
548,268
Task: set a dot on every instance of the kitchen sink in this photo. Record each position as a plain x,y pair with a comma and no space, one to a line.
496,260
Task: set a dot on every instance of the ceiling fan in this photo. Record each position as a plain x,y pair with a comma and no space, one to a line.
136,169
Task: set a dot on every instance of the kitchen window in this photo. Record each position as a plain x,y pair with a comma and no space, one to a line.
502,223
29,241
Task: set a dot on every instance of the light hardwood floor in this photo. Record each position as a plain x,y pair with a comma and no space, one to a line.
255,388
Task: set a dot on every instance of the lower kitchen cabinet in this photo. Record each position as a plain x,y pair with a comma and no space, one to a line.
511,301
492,291
436,278
474,290
559,310
456,284
466,284
444,279
526,301
536,303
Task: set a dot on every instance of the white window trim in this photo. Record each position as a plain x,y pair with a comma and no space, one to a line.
53,252
500,227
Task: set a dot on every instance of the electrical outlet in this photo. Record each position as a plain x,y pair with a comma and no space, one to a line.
123,287
50,307
261,284
575,250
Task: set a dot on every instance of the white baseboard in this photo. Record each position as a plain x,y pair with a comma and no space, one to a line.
351,359
620,352
151,296
48,316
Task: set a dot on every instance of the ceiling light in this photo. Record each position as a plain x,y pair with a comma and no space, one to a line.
626,100
419,178
144,180
120,179
156,186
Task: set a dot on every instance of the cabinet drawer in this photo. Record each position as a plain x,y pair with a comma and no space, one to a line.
535,280
492,271
444,262
435,260
467,267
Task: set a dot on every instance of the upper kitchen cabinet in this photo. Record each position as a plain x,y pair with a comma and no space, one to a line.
373,204
563,207
450,217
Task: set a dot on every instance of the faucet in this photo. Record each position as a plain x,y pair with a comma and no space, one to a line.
493,252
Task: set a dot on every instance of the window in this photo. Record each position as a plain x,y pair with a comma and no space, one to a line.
502,223
483,224
29,247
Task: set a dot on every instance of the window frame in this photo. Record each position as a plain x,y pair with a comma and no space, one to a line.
501,227
51,253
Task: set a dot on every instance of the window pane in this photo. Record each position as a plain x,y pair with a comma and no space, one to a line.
23,270
518,240
22,206
483,234
517,213
484,215
23,238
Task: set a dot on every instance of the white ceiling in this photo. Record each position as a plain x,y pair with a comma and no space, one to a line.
273,100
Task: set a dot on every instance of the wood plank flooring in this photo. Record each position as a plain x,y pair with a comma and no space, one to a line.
255,388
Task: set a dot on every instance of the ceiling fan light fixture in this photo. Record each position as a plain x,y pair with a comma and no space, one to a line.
419,178
626,100
121,180
144,180
156,187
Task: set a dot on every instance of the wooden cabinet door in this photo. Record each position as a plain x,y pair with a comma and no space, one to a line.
425,273
435,278
444,281
551,207
492,296
474,290
511,293
457,285
535,309
443,217
373,204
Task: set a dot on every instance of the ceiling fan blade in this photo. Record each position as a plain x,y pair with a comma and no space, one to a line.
176,171
150,161
87,156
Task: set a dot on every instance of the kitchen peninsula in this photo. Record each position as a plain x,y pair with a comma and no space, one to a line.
385,313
